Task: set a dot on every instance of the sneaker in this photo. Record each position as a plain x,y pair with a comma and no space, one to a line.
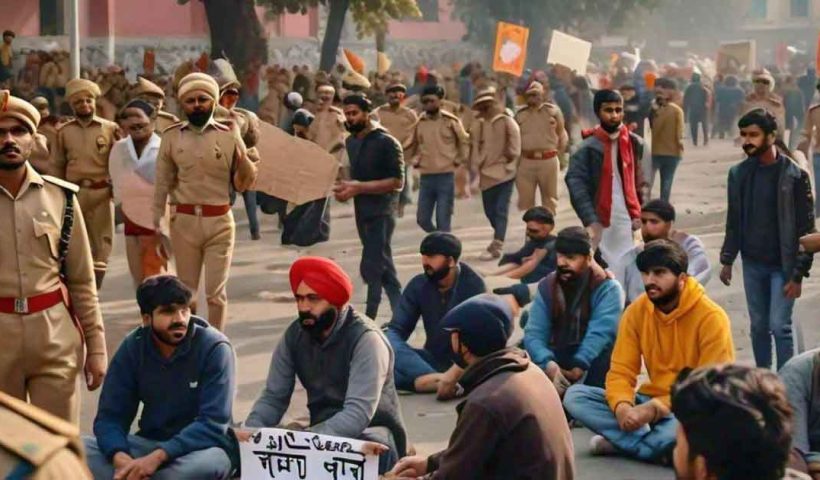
599,445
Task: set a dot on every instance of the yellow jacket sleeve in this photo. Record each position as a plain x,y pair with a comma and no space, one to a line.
626,361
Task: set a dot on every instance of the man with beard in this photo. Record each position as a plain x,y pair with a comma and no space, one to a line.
734,423
439,145
400,122
574,316
445,283
536,259
657,222
341,358
182,372
764,98
605,179
672,327
196,165
377,173
667,123
47,291
81,157
770,206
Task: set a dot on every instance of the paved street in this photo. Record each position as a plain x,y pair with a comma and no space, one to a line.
260,306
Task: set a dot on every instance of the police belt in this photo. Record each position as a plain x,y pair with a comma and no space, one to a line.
31,305
539,154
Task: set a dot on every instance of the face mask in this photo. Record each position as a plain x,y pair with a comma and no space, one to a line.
320,323
354,128
436,275
456,358
199,119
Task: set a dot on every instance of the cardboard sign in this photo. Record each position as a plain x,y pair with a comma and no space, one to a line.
293,169
288,455
736,57
571,52
510,48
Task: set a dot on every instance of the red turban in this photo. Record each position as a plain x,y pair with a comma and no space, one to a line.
324,276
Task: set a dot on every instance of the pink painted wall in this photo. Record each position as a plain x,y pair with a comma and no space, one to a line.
444,29
22,17
160,18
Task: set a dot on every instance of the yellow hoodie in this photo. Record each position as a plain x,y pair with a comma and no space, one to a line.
696,333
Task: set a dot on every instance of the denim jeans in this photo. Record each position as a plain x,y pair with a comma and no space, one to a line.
702,121
249,197
769,311
411,363
588,405
212,463
436,192
377,268
667,165
496,201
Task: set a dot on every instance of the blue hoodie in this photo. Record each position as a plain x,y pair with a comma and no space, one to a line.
187,399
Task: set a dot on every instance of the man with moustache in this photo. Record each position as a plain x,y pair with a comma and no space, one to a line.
770,206
80,156
182,372
605,179
377,177
196,166
536,259
341,358
328,129
574,316
47,291
400,121
445,283
672,327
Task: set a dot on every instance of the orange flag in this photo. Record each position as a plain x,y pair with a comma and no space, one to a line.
510,48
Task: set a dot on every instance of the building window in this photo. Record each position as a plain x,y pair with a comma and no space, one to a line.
429,10
51,17
800,8
759,9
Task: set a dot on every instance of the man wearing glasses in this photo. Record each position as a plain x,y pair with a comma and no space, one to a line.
763,96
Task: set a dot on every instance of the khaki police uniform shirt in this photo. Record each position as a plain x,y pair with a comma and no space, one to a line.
82,150
772,103
328,129
811,131
196,167
495,148
29,437
542,128
441,143
30,241
164,120
399,122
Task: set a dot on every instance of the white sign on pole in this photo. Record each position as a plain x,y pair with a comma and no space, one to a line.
569,51
289,455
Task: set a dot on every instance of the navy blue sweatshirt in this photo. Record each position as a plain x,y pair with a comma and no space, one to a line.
187,399
422,298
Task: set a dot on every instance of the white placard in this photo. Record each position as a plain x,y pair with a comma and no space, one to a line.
274,453
569,51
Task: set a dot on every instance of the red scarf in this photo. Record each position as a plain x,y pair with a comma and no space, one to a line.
603,198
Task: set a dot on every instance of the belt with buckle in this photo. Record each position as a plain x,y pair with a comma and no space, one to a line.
94,184
539,154
203,210
27,306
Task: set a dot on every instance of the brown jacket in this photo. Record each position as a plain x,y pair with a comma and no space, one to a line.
811,131
542,128
495,148
441,143
511,425
772,103
667,131
399,122
328,129
82,151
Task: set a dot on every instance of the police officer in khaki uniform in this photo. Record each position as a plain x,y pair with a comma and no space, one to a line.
810,139
153,94
400,122
328,127
38,446
543,140
440,144
48,300
198,160
81,157
764,97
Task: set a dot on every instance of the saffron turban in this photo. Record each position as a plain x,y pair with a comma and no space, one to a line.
324,276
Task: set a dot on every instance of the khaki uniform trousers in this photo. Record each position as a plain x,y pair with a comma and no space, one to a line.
98,213
205,242
540,174
41,356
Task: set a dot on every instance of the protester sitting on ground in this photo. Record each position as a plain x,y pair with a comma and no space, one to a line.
801,375
511,424
341,358
445,283
657,222
674,326
734,423
536,259
574,316
182,372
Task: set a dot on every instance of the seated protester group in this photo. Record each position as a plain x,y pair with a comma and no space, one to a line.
574,316
445,283
734,423
511,424
672,327
341,358
536,259
801,375
182,371
657,222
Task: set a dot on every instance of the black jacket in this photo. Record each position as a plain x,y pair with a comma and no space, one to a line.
795,214
376,157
